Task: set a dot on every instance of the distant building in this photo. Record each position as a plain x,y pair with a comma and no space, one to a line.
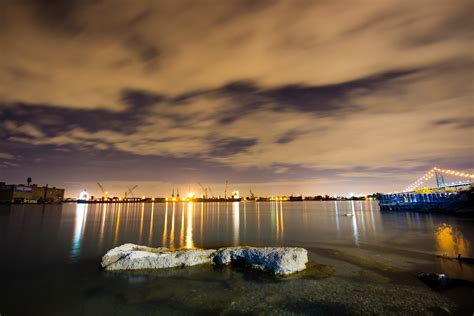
20,193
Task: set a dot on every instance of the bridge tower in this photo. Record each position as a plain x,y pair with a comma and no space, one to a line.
440,179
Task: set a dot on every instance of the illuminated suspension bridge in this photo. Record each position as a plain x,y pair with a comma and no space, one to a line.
439,174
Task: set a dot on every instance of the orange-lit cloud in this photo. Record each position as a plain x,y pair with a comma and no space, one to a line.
270,85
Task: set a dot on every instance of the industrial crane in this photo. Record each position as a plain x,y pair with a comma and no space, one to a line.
252,196
105,196
225,191
204,190
130,191
210,191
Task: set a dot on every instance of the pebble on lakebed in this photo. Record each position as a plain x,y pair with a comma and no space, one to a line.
278,260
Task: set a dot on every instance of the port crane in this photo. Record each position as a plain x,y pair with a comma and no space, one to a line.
105,193
130,191
210,191
252,196
204,190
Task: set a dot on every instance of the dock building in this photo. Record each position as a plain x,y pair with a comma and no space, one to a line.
29,193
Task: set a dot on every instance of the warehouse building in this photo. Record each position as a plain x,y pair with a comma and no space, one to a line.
29,193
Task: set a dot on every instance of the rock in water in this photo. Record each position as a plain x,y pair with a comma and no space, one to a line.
279,260
135,257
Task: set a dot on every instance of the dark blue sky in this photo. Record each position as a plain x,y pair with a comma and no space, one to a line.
307,97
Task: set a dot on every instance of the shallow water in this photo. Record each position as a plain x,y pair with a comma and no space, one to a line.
51,254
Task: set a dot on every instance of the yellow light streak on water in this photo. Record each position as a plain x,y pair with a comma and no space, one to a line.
450,242
202,223
282,224
171,245
117,224
141,221
150,238
236,219
276,210
181,230
165,226
258,220
189,226
102,223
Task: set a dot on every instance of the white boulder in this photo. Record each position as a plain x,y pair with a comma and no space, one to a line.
135,257
279,260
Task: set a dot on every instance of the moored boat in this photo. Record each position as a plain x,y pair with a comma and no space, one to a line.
461,201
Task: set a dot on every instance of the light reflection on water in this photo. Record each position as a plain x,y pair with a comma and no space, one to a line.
451,242
338,228
53,251
151,221
189,227
84,231
236,221
355,228
81,217
213,218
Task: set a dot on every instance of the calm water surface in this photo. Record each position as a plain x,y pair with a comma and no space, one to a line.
50,257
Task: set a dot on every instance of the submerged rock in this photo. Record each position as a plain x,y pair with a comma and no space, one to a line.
440,282
279,260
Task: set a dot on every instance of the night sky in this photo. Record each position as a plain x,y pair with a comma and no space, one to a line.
311,97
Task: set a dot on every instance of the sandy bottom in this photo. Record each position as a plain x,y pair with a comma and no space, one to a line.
341,281
338,281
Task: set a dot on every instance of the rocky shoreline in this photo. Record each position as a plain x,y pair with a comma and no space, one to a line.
277,260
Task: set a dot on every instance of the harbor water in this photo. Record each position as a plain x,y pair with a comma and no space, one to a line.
366,260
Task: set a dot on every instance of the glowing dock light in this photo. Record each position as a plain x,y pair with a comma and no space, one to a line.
84,196
235,195
190,195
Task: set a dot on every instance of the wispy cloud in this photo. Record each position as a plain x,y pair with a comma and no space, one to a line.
6,156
